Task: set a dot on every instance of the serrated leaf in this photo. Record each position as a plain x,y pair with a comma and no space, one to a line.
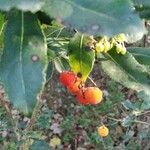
24,60
126,70
101,17
81,58
142,54
25,5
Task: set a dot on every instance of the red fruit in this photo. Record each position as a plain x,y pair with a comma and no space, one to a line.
80,97
67,78
93,95
74,88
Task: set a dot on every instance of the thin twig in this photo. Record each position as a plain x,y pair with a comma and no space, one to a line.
142,122
92,81
118,120
136,121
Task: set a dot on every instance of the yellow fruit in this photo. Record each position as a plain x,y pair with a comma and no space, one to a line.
99,47
112,42
103,131
93,95
123,52
120,49
107,46
55,142
120,38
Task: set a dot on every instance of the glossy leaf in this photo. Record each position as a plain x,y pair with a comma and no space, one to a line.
2,23
81,58
100,17
126,70
145,14
50,70
24,60
25,5
142,3
141,54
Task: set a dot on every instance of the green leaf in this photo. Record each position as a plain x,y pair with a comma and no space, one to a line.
61,64
127,121
99,17
24,60
2,23
25,5
146,100
142,3
2,20
128,105
141,54
50,70
56,29
40,144
81,58
126,70
145,14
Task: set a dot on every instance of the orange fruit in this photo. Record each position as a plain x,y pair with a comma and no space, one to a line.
93,95
80,97
103,131
67,78
74,88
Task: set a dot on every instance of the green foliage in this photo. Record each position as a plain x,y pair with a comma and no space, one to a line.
81,57
57,40
40,144
145,100
44,119
23,61
5,122
2,23
32,41
25,5
141,54
99,17
142,3
126,70
112,99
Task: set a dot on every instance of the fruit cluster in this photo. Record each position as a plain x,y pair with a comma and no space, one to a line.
117,42
84,95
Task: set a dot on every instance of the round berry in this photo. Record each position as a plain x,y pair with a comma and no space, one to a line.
67,78
93,95
103,131
80,98
74,88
